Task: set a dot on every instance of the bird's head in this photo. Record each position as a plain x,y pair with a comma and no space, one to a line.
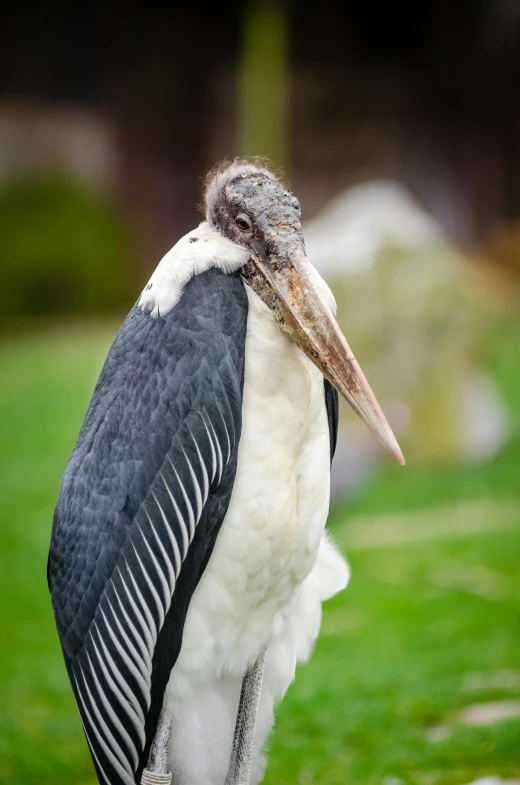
251,207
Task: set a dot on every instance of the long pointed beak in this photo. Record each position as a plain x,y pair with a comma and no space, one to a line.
289,290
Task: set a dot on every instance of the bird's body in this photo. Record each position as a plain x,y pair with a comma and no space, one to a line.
188,537
248,597
272,530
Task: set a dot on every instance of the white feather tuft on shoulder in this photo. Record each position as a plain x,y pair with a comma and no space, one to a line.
196,252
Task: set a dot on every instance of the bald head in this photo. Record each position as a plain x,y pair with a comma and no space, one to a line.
250,206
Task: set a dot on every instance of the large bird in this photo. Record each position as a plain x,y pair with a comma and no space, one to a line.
188,557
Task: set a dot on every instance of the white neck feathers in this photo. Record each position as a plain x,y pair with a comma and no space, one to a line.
196,252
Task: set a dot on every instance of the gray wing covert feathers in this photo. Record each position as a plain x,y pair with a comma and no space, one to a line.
140,505
332,406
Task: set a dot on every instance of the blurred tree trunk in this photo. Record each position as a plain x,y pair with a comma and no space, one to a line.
264,82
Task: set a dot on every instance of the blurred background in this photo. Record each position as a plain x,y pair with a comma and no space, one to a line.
398,126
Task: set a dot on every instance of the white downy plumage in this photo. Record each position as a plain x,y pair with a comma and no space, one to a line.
194,253
273,564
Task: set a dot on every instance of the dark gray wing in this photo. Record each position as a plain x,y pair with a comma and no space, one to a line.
332,404
140,505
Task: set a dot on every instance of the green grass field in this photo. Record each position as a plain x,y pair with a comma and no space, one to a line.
428,627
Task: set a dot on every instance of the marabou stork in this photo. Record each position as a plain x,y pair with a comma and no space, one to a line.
188,557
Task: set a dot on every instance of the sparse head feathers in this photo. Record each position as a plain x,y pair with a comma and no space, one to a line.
226,171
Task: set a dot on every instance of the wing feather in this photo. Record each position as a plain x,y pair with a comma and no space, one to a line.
141,503
332,406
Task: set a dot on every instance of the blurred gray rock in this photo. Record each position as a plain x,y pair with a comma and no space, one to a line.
491,780
412,308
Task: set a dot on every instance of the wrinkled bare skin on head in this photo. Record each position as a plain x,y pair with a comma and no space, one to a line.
275,210
277,238
280,255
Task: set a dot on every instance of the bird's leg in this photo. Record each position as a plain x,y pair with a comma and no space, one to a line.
242,753
157,772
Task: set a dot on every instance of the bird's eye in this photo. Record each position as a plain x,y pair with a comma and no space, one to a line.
243,223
